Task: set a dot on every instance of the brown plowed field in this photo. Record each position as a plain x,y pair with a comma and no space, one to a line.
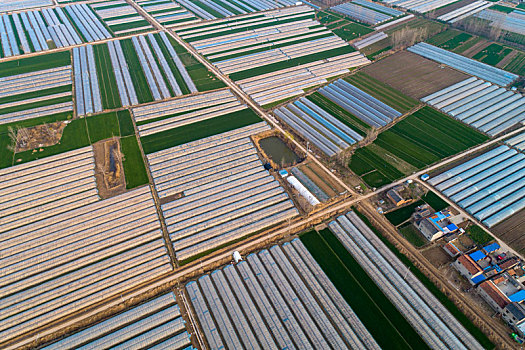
512,231
441,11
413,75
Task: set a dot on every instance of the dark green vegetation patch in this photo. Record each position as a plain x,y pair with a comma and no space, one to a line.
399,216
434,201
351,31
450,39
102,126
492,54
386,324
479,235
134,168
106,78
199,130
32,64
419,140
125,123
412,234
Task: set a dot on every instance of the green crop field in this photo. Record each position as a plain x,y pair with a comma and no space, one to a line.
517,64
204,79
434,201
373,169
106,78
412,234
125,123
492,54
382,92
102,126
458,314
501,8
134,168
355,123
161,69
137,74
386,324
420,139
199,130
450,39
479,235
33,64
399,216
351,31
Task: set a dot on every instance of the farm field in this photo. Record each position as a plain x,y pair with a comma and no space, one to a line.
49,28
412,234
412,74
291,278
492,54
168,12
273,56
361,293
342,115
450,39
482,105
511,231
416,141
198,130
436,292
382,92
121,18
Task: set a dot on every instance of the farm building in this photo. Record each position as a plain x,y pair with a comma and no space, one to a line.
451,249
467,267
493,296
514,315
396,198
436,225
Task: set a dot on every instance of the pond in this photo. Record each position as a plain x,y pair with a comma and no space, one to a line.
278,151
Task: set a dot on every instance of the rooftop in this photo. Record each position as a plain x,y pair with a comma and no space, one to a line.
469,264
494,293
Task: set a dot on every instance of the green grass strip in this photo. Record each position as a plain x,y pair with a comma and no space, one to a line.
125,123
36,63
199,130
106,78
133,163
103,126
137,74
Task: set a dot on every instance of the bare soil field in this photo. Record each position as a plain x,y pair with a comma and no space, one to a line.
437,256
109,172
44,135
318,181
506,60
443,10
324,179
413,75
512,231
474,49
